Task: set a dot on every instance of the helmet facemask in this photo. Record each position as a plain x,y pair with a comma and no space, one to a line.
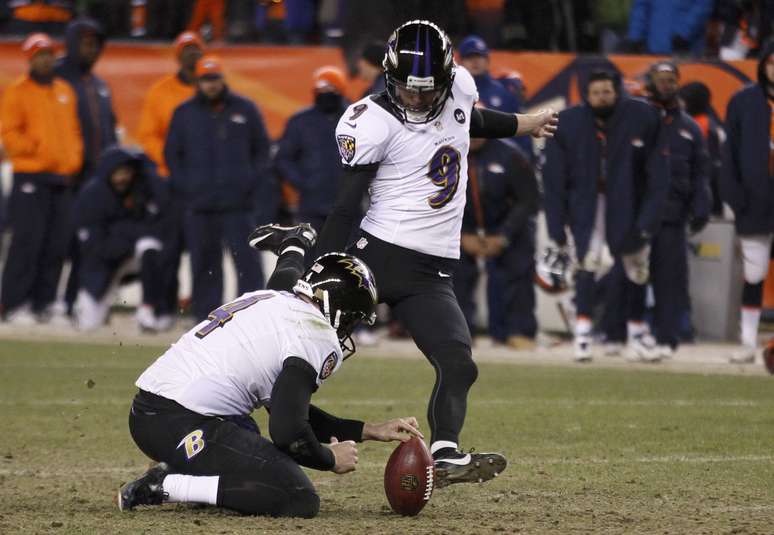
343,289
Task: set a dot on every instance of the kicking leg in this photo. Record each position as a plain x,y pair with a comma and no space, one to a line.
290,244
438,327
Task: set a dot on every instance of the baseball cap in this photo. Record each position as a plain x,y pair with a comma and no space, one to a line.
188,38
329,76
209,66
35,43
473,45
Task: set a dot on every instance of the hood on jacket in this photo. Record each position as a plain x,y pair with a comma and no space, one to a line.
766,51
115,156
75,29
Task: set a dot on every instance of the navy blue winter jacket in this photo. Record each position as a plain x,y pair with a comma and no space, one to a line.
308,158
637,176
745,182
95,104
507,189
218,158
689,192
108,224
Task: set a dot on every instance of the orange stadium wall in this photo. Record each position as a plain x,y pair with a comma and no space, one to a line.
279,78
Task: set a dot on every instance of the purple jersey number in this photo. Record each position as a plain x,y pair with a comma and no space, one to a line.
444,171
222,315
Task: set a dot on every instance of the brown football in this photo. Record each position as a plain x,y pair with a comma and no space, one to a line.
768,356
408,477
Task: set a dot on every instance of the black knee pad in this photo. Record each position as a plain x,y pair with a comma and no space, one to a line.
455,363
302,503
752,294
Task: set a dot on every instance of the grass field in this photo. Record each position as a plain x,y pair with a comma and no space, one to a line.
590,450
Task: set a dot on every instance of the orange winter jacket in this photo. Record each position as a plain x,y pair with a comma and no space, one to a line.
40,127
160,103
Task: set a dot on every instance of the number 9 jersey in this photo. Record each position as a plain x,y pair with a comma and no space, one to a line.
418,193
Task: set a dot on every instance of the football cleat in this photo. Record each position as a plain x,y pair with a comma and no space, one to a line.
275,238
582,348
458,467
147,490
642,348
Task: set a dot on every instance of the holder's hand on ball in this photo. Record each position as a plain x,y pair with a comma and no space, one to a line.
398,429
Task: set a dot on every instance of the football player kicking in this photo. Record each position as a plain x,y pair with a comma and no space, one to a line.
408,146
270,348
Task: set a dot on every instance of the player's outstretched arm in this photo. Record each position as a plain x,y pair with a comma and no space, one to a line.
398,429
540,124
489,124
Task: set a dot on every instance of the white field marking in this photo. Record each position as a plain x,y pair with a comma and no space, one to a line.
563,402
663,459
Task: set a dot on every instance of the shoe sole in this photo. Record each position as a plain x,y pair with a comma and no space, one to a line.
121,502
489,466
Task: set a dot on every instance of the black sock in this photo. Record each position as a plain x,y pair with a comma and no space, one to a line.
290,267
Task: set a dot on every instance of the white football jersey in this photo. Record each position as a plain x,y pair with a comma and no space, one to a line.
418,195
228,366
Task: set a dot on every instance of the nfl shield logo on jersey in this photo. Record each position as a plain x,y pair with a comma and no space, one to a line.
346,147
459,116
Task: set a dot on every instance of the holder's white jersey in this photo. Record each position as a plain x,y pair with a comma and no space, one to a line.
418,195
228,365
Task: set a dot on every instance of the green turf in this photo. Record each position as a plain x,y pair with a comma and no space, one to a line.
591,451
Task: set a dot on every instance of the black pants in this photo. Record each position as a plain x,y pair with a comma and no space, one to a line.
510,289
255,476
39,217
419,289
669,277
95,275
205,235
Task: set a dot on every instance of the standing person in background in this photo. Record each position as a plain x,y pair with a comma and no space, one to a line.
85,42
212,11
307,155
474,56
746,186
217,151
369,68
696,97
499,227
611,204
687,204
165,95
160,103
41,135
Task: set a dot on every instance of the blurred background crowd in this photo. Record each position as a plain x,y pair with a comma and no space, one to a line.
707,28
206,171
